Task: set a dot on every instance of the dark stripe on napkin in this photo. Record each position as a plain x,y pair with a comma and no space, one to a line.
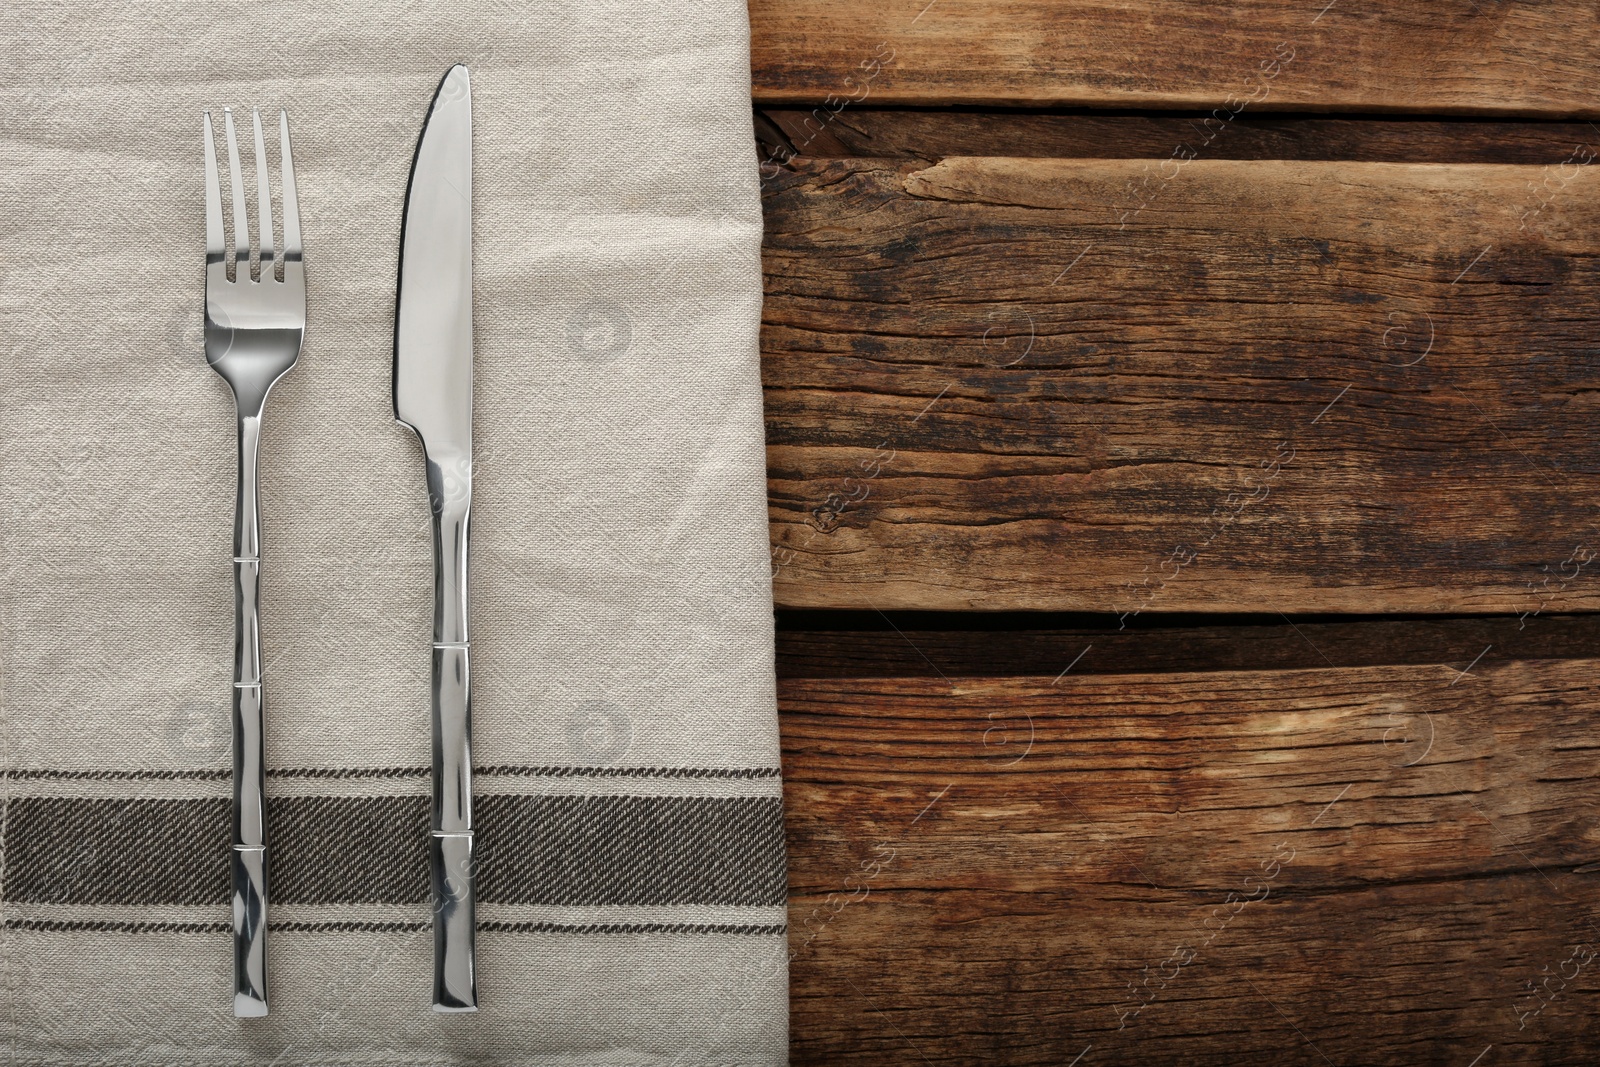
326,850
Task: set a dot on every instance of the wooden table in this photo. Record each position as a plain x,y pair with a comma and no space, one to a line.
1183,489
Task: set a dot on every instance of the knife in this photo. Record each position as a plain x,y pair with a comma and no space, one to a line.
433,397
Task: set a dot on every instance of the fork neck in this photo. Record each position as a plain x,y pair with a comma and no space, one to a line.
247,515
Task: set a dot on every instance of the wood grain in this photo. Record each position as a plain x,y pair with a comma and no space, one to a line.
918,645
1133,386
1487,57
910,133
1363,864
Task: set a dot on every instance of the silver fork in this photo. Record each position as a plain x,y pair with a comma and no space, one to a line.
254,328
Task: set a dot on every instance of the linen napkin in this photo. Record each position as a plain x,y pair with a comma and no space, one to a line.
631,876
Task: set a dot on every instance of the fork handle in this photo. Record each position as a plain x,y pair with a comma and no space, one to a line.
248,861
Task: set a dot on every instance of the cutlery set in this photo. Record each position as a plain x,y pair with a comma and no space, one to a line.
254,325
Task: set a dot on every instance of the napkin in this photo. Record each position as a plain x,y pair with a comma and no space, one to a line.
631,876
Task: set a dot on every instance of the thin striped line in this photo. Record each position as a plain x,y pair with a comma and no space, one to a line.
633,772
55,775
636,928
128,927
136,927
504,770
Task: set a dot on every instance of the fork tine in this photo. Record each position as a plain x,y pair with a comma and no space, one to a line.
241,217
291,197
263,200
214,246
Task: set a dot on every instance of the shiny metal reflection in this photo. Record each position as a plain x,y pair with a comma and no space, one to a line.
433,396
254,326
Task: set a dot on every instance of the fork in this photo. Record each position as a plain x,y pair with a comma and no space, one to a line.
254,327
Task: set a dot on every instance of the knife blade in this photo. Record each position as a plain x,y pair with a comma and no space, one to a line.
433,397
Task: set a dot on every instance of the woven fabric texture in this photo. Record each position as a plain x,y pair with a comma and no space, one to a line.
629,803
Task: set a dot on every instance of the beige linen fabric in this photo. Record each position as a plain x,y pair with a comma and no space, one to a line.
620,591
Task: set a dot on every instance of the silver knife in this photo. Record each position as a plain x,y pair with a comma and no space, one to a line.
433,396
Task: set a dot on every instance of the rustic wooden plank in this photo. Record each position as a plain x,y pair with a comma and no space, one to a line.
920,645
1128,386
1376,862
1485,57
909,133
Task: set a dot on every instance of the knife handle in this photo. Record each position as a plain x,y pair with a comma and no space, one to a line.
455,986
450,844
454,979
